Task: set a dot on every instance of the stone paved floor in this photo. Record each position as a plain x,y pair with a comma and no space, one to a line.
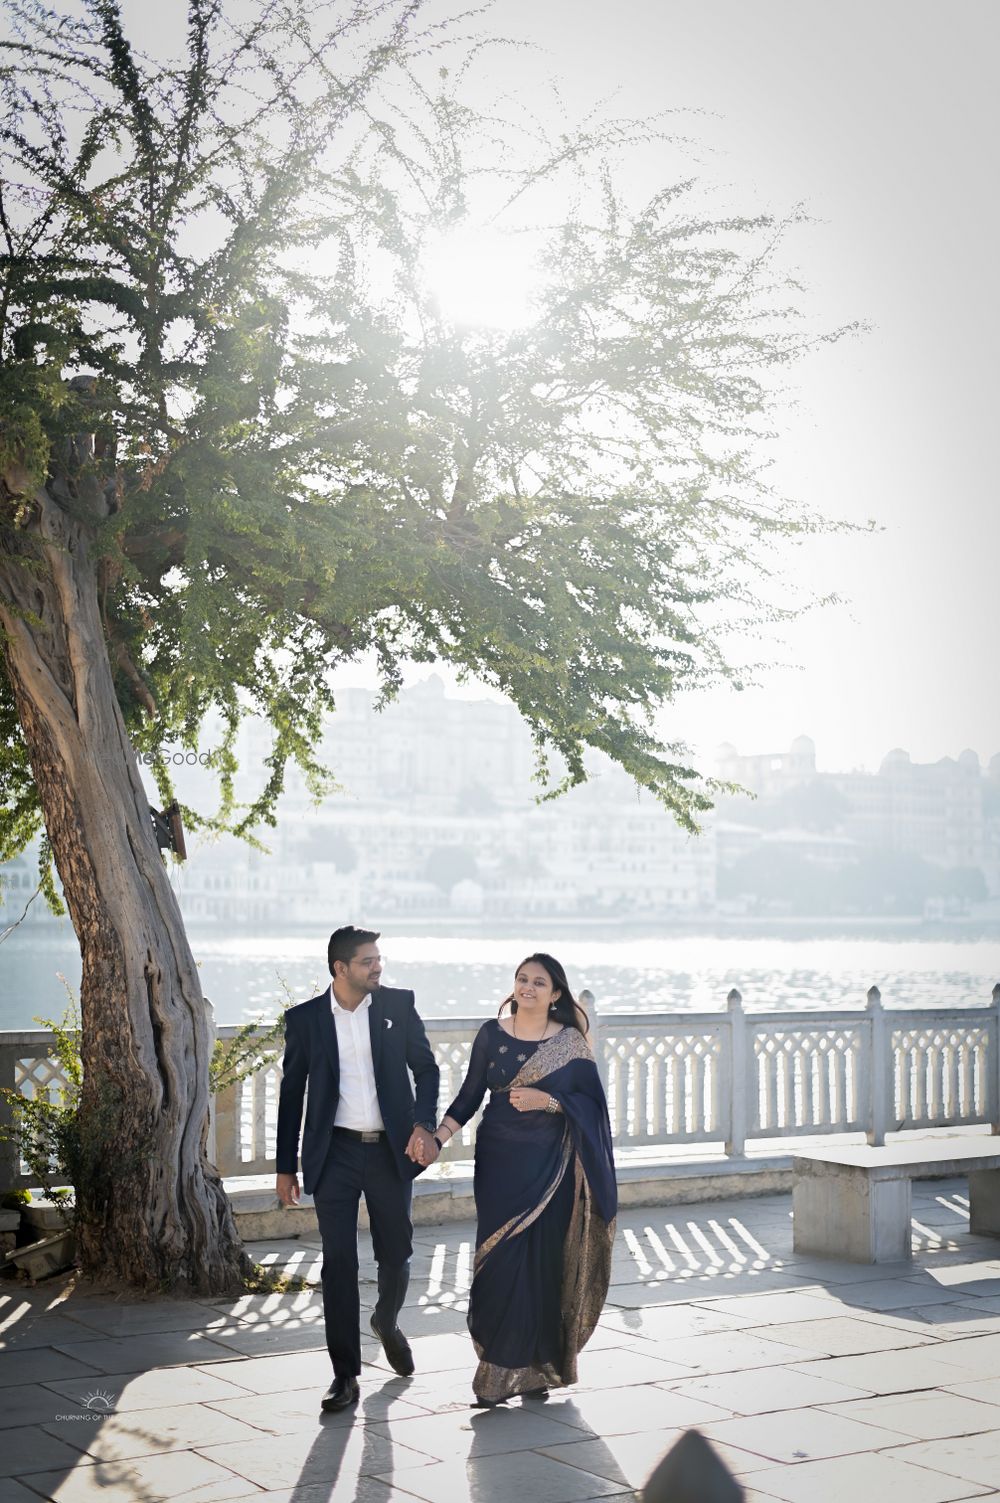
818,1382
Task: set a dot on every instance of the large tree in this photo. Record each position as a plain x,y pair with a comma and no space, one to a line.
243,441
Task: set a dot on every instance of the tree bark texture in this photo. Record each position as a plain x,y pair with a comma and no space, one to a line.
151,1209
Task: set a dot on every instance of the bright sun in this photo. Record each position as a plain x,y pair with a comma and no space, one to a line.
479,277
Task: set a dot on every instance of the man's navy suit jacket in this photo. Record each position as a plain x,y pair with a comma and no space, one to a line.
399,1046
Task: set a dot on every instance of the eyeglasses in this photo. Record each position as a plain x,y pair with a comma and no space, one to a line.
369,965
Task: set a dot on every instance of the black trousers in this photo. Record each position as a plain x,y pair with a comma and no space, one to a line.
353,1169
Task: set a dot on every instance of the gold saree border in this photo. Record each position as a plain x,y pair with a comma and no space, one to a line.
586,1276
498,1383
586,1273
552,1054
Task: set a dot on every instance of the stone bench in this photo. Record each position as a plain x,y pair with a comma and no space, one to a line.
855,1202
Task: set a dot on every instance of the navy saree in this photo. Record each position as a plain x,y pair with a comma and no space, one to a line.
546,1201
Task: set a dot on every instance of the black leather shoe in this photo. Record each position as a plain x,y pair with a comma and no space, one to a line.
396,1348
342,1392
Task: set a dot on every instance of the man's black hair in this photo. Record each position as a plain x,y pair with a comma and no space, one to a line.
345,944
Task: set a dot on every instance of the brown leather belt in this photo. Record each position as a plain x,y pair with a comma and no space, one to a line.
362,1137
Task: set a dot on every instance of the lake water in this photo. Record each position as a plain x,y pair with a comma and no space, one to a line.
465,975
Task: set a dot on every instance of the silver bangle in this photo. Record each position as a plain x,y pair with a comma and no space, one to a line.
552,1105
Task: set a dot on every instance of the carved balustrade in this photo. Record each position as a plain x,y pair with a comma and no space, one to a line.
724,1078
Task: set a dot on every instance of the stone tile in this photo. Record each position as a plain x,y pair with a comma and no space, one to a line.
273,1374
439,1392
986,1304
727,1351
967,1293
435,1354
623,1368
891,1294
865,1478
180,1474
981,1354
299,1409
39,1365
979,1279
799,1435
837,1271
28,1450
153,1390
941,1218
146,1432
700,1287
623,1459
30,1405
15,1492
366,1490
777,1309
40,1329
522,1474
893,1372
515,1427
767,1389
110,1318
625,1411
846,1336
129,1354
671,1322
20,1301
630,1459
259,1341
925,1416
606,1339
426,1236
987,1390
303,1305
284,1250
974,1458
974,1249
433,1320
336,1454
940,1322
443,1302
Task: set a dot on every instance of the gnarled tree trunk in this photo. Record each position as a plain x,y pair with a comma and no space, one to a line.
151,1208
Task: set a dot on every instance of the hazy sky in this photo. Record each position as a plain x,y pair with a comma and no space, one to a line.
883,119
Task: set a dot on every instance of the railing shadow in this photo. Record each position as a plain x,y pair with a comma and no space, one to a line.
61,1432
709,1251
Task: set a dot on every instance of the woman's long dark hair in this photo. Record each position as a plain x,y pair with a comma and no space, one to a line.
566,1009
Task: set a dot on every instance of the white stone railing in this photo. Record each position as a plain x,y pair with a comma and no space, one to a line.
726,1078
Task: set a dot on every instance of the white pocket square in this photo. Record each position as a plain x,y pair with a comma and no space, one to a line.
388,1022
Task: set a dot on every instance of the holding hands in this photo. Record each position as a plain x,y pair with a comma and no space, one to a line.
422,1148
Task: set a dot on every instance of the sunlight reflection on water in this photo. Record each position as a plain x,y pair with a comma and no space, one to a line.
466,975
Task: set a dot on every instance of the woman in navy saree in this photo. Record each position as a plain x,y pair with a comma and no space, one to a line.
545,1188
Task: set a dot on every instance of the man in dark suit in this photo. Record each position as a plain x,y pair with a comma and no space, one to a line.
356,1045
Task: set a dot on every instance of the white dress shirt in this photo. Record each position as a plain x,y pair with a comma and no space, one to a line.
358,1105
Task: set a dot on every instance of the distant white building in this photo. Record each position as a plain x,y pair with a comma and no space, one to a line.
768,773
932,809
